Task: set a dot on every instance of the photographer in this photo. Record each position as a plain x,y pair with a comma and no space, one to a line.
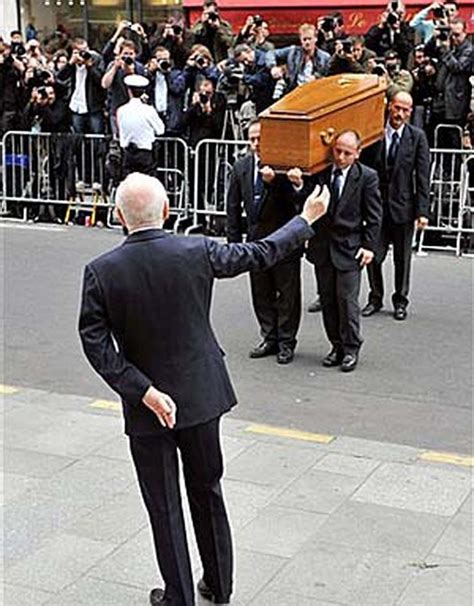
33,51
343,61
213,32
455,66
398,79
45,113
424,90
199,67
84,73
304,63
330,29
362,55
175,37
391,33
255,33
442,15
11,89
249,68
166,90
205,117
125,64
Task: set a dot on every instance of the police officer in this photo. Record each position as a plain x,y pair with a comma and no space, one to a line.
138,125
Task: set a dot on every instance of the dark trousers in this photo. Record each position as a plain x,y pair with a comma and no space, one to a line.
401,236
137,160
156,463
276,298
339,296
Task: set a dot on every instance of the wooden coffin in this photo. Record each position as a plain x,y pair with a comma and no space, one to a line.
298,130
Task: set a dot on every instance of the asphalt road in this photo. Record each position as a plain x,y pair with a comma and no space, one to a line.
413,384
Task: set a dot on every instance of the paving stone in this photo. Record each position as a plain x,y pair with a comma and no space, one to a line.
436,491
93,592
58,563
244,500
371,449
14,595
232,447
14,486
456,542
271,464
133,563
279,531
346,575
253,571
444,582
377,528
348,465
467,506
275,598
318,491
116,521
34,464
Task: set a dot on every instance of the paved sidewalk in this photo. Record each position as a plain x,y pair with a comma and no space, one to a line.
318,520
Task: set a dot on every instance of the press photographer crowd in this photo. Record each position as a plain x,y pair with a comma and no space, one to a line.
209,81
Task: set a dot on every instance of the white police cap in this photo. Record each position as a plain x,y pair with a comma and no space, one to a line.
135,81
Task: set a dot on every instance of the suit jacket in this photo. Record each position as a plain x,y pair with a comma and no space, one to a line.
351,223
95,94
144,319
406,190
277,207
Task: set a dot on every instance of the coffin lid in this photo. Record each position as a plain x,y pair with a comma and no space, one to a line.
322,96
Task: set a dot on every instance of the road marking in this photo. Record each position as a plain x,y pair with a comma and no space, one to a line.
292,434
447,457
8,389
106,405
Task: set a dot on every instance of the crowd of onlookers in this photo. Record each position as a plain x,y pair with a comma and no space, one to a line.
60,84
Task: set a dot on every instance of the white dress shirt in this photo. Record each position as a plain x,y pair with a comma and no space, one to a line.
343,178
138,123
389,130
161,93
78,103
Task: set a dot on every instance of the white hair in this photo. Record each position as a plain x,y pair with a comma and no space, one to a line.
142,200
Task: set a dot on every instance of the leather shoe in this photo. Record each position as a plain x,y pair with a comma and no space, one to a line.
315,305
370,309
207,594
157,597
265,348
349,362
400,313
285,355
334,358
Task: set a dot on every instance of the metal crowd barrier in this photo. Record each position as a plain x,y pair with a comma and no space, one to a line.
47,171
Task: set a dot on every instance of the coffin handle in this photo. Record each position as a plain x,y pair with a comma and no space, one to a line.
328,136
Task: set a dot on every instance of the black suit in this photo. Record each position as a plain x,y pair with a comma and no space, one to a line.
145,320
276,292
352,222
405,195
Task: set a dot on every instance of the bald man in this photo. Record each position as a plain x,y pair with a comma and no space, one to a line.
144,326
402,160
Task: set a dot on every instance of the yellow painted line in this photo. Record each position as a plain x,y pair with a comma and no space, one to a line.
106,405
447,457
292,434
8,389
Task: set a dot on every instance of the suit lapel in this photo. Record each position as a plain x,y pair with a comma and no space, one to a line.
349,187
405,143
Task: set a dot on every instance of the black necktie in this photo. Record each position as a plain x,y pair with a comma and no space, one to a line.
258,188
336,184
393,150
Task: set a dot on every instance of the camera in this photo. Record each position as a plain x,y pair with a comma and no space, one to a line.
443,32
328,24
42,92
128,60
213,17
392,18
394,6
258,20
177,30
200,60
17,49
203,98
439,12
39,78
164,66
84,54
346,46
235,73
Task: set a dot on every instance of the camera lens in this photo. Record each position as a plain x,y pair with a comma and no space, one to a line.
328,24
85,55
164,65
203,97
177,30
258,20
200,60
128,60
213,16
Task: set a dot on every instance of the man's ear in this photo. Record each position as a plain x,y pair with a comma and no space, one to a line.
120,216
166,210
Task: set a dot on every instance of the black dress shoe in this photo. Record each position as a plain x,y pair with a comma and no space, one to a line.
285,355
157,597
207,594
370,309
400,313
334,358
349,362
266,348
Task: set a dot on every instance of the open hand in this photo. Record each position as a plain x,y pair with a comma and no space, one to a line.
316,204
